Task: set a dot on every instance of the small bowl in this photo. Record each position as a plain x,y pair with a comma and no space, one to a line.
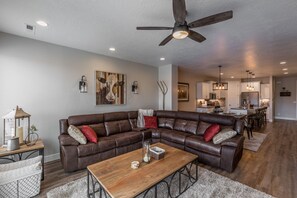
135,164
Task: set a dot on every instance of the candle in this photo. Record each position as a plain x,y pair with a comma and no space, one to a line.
20,134
12,132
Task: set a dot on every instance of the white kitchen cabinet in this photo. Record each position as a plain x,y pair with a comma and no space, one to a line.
233,94
256,86
264,91
202,90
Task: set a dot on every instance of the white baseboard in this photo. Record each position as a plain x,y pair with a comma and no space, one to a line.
285,118
52,157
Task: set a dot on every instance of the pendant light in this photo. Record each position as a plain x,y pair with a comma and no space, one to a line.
219,85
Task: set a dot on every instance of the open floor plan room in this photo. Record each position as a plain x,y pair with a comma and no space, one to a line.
176,98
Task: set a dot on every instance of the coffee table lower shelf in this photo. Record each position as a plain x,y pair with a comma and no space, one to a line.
175,184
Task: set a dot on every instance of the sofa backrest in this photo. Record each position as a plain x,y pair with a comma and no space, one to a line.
95,121
116,122
133,115
166,119
186,122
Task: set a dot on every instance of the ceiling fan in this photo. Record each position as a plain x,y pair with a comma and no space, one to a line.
181,29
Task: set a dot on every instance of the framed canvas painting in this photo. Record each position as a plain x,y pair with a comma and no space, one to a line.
110,88
183,92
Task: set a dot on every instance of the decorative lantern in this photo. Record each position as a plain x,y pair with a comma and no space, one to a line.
15,124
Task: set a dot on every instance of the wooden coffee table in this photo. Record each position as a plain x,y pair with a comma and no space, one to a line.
115,178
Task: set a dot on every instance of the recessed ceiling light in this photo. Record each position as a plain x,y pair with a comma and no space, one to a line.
286,73
232,76
285,69
221,73
112,49
283,62
162,58
42,23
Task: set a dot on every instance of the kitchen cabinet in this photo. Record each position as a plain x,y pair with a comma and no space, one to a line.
264,91
202,90
244,85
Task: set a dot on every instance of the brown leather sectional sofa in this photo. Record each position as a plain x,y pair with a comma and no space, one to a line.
118,134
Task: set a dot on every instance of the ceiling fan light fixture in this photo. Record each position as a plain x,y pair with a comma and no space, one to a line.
180,32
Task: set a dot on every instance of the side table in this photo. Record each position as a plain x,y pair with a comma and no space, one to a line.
10,155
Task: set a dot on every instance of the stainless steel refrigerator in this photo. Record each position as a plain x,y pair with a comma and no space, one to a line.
250,97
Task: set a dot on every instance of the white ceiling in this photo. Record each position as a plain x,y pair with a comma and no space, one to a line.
260,35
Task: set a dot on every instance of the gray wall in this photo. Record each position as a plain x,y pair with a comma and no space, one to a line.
285,107
43,79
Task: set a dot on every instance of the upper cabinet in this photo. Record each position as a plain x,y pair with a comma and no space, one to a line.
264,91
203,90
244,86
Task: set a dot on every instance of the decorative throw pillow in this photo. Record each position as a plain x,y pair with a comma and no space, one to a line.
150,122
89,133
74,132
202,127
223,135
211,132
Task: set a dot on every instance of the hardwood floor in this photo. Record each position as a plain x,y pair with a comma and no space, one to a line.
273,169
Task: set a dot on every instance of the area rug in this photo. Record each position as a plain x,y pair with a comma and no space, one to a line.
209,185
255,142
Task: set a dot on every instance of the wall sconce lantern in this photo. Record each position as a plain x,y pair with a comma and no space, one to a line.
135,87
16,123
83,87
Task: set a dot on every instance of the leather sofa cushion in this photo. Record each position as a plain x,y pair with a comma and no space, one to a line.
186,126
124,139
166,123
115,116
217,119
194,116
99,129
85,119
165,114
156,133
197,143
175,136
202,127
104,144
120,126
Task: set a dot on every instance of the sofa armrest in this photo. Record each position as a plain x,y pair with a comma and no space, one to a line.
234,142
67,140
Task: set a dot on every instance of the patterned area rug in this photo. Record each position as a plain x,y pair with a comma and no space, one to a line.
209,185
255,142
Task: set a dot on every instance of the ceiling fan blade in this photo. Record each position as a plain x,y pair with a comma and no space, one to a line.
166,40
179,11
154,28
196,36
212,19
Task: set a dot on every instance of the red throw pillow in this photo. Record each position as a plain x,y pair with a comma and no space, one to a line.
211,131
150,122
89,133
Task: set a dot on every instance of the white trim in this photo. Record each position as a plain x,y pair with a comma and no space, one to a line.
285,118
52,157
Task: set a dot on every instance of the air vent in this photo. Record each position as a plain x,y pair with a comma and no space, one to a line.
30,28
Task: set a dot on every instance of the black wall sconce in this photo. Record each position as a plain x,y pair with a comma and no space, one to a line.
83,87
135,87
